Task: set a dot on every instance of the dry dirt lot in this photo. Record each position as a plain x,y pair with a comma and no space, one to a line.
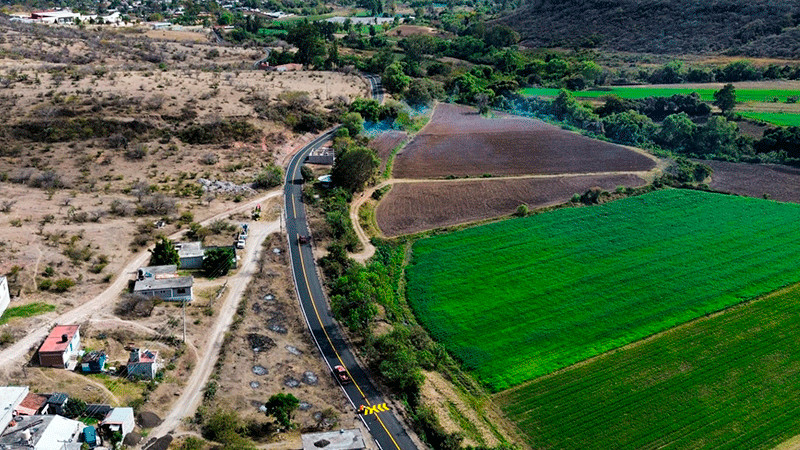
777,182
271,352
459,142
413,207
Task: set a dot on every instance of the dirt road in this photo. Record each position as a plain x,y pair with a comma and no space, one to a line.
193,391
21,348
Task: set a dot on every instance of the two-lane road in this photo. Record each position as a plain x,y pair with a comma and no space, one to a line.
384,426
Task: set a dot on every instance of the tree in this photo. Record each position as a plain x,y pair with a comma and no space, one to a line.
629,127
677,132
164,253
717,137
281,407
269,177
354,167
423,92
218,261
725,98
394,79
353,123
308,40
75,407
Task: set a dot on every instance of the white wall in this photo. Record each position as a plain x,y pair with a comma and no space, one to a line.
5,298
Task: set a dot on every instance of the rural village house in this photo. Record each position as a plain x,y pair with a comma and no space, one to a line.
60,348
143,363
32,404
118,419
163,282
191,254
93,362
57,402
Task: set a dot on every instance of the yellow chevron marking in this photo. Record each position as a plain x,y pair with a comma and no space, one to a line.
367,410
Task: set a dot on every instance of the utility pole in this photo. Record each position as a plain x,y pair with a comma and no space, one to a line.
184,320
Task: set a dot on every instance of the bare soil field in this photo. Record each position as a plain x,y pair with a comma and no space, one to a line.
384,143
271,352
777,182
410,30
459,142
413,207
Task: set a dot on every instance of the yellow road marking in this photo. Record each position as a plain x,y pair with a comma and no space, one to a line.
367,410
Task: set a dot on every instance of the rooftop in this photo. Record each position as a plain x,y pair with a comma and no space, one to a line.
33,401
189,249
337,440
118,416
144,356
10,397
55,342
58,398
162,283
46,433
94,355
159,270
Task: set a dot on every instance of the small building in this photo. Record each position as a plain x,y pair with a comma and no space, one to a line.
10,399
56,17
93,362
43,433
32,404
190,254
143,363
322,155
334,440
60,348
57,403
5,296
291,67
119,419
163,282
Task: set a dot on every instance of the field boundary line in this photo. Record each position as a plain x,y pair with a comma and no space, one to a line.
651,337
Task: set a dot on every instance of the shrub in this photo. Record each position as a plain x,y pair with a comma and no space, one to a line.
63,284
269,177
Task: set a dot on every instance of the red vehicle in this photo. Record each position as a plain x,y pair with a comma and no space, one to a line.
304,239
341,374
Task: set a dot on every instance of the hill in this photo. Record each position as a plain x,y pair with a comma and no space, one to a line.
748,27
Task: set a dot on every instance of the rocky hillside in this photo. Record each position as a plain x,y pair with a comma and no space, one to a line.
747,27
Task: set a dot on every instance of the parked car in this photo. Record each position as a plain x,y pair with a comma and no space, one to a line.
240,243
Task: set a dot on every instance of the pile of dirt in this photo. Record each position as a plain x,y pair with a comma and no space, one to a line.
161,443
148,419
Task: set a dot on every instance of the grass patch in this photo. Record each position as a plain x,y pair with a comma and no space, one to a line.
469,428
521,298
387,172
706,94
366,218
775,118
731,381
29,310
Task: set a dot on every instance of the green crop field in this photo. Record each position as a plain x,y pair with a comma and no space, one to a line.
521,298
29,310
707,94
776,118
731,381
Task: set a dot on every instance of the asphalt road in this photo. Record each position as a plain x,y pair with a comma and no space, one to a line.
384,426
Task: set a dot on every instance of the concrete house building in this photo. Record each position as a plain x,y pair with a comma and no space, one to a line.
32,404
43,433
10,399
163,282
60,348
5,296
191,254
93,362
119,419
322,155
57,403
143,363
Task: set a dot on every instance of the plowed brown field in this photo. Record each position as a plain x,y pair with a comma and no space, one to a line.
419,206
384,143
460,142
780,183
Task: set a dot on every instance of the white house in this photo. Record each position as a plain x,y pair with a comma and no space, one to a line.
10,399
5,297
163,282
43,433
119,419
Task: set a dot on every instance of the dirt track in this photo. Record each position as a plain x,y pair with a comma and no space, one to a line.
459,142
22,347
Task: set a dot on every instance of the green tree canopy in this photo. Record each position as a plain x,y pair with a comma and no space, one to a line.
281,407
677,132
353,123
394,79
218,261
269,177
164,253
354,167
725,98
